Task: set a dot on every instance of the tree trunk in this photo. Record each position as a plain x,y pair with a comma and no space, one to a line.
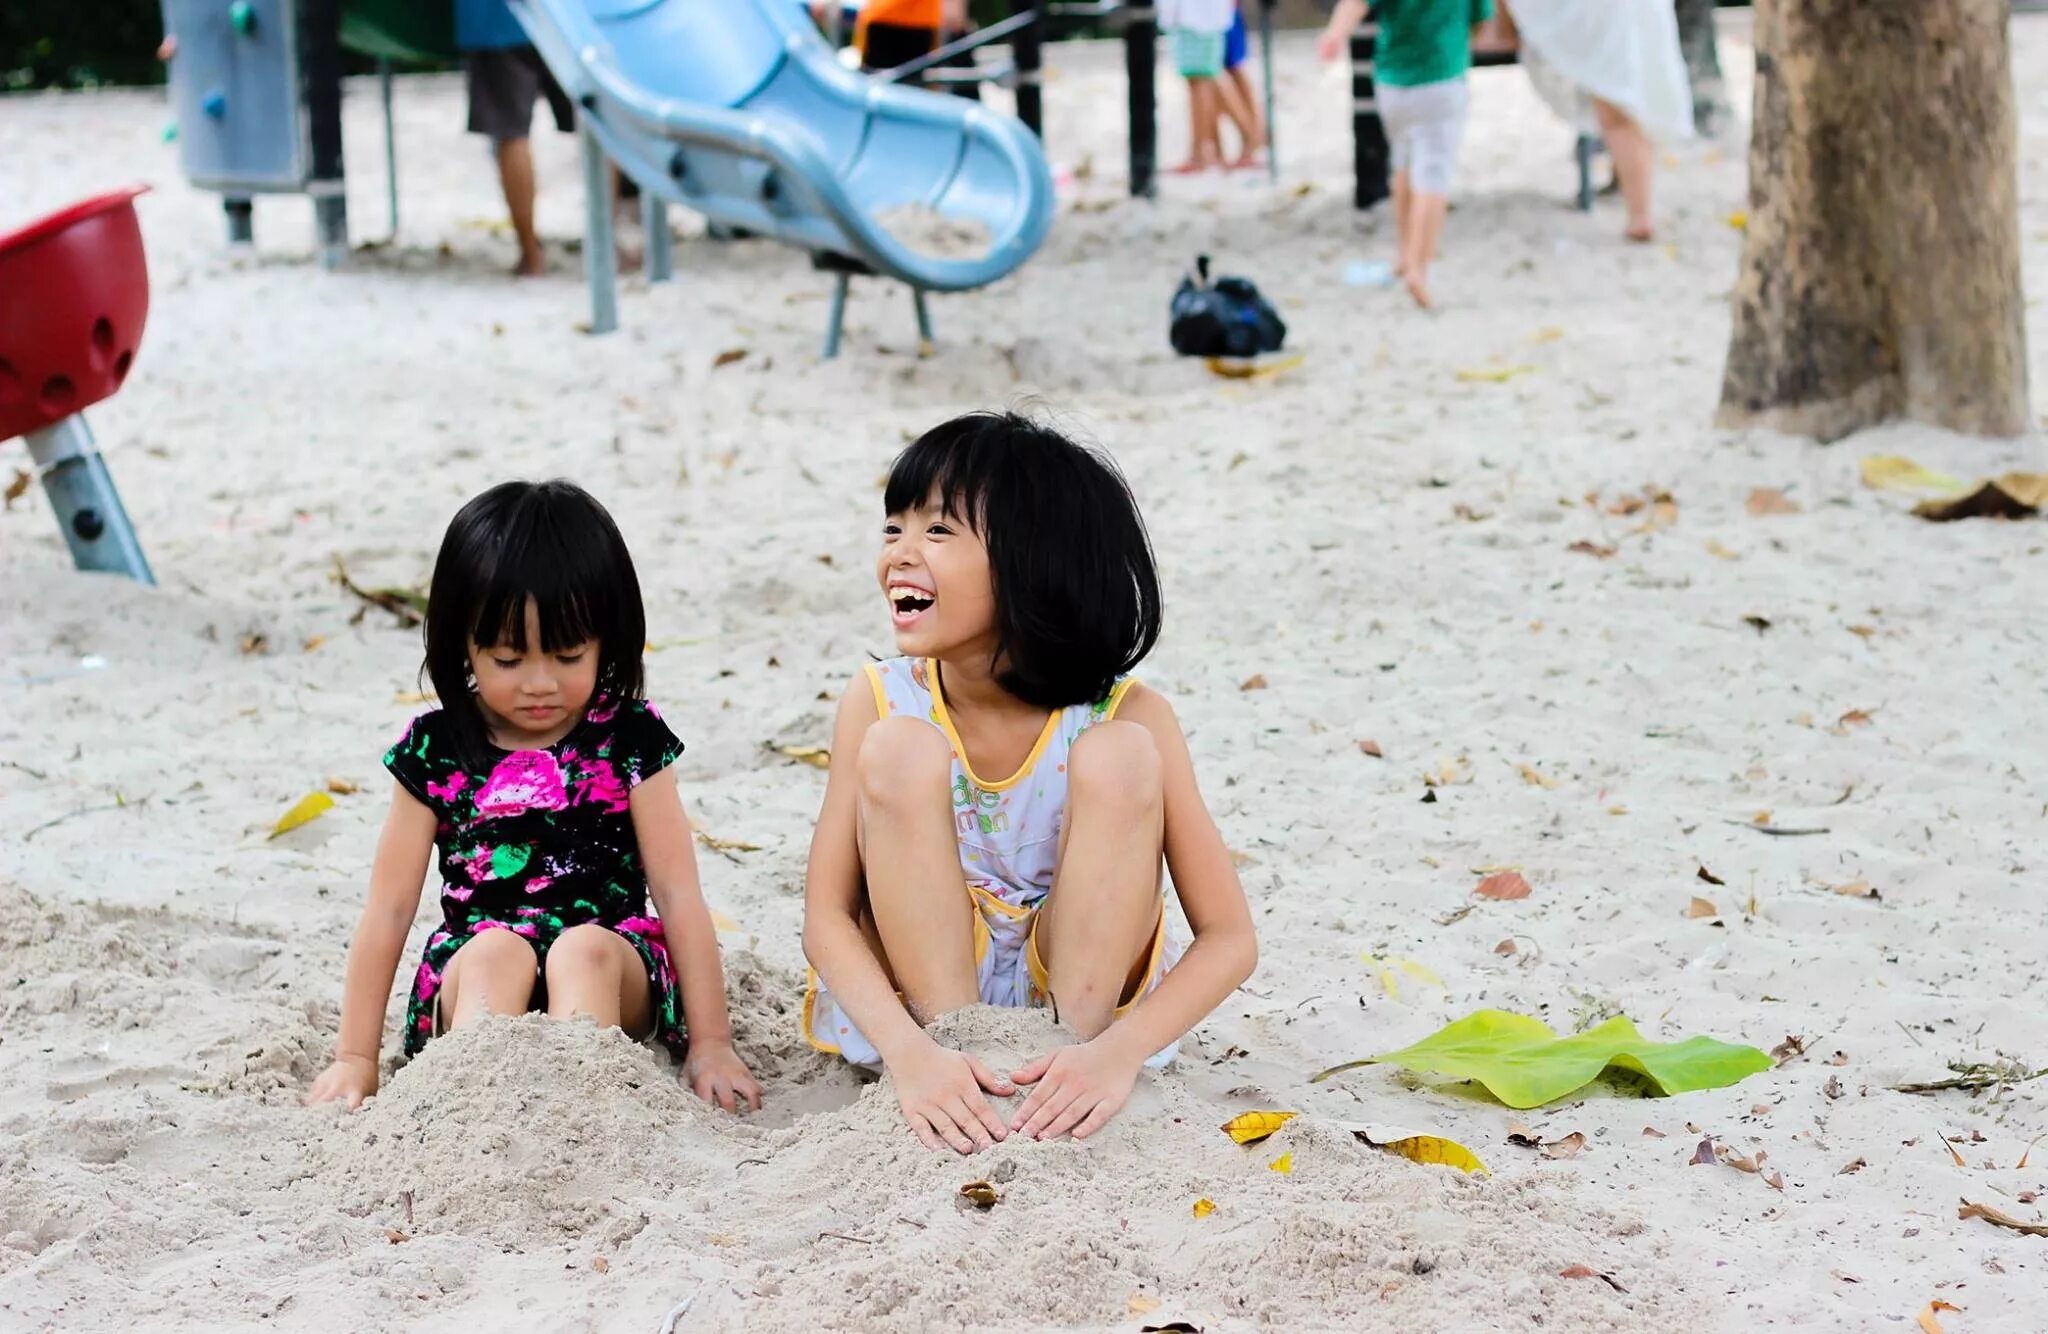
1702,63
1881,267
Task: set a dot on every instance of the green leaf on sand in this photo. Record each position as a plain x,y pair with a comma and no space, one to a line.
1523,1063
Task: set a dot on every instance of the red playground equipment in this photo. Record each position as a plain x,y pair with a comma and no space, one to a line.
74,292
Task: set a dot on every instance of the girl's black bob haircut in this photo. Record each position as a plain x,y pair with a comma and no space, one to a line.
548,541
1076,591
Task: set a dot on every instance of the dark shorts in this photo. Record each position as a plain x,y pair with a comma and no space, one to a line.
503,86
1236,45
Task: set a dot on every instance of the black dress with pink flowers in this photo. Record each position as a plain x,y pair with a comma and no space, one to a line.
540,842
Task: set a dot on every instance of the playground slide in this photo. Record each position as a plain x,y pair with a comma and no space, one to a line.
738,110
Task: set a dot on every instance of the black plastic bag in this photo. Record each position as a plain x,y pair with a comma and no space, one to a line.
1227,318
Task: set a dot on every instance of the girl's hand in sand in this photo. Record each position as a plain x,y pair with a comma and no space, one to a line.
940,1092
1077,1089
348,1081
715,1073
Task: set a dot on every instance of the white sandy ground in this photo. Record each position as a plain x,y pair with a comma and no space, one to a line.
1385,544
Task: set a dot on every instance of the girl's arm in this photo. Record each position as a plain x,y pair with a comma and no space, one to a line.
1079,1088
939,1090
397,874
1337,35
713,1069
1225,948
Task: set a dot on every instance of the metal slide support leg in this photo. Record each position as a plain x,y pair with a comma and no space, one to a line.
241,214
390,145
835,314
1370,156
81,491
1582,151
924,319
600,257
1141,57
320,60
1027,56
661,250
1266,62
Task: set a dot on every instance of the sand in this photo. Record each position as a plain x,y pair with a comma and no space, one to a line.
1388,545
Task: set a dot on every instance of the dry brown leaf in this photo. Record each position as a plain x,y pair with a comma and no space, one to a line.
394,1236
1714,548
1951,1149
981,1195
1571,1146
1624,506
2017,495
1503,885
1765,500
1863,632
728,357
1587,1271
1585,548
312,642
1371,748
1853,1166
600,1264
717,844
1651,1132
341,787
1506,947
1793,1045
1853,718
1741,1162
255,642
1704,874
1930,1325
16,488
1700,907
1535,779
816,756
1858,889
1776,1180
1256,681
1703,1156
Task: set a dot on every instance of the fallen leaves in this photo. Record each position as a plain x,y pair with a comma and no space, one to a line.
1715,549
1251,1127
1204,1207
1234,368
1503,885
1523,1063
730,845
1600,549
408,605
728,357
1256,681
304,811
1703,1156
1700,907
1371,748
1928,1323
1853,1166
341,787
1767,500
1586,1271
600,1264
1858,889
17,488
1284,1164
1704,874
981,1195
1999,1218
816,756
1536,779
1418,1147
2016,495
1388,968
1890,472
1570,1146
1492,374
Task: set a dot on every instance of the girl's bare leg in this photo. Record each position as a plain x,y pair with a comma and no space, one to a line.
1425,225
1234,94
493,973
1095,932
594,971
910,857
1635,163
1402,196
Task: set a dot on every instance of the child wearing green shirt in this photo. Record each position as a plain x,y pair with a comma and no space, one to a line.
1424,49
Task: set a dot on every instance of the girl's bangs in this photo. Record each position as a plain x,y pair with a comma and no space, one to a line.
949,464
529,568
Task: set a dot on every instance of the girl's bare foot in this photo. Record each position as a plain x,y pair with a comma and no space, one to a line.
1641,231
1191,167
532,264
1418,287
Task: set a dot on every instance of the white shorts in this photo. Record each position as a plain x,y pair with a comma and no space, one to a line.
1007,969
1425,125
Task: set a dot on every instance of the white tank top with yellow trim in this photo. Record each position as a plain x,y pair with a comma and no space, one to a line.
1008,828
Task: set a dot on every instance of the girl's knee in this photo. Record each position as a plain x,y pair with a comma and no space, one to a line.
1115,763
584,951
499,950
896,753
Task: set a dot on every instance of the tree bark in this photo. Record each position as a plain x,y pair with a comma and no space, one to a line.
1702,63
1881,266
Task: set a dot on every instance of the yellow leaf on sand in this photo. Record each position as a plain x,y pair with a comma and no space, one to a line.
1890,472
1388,967
1142,1304
1283,1164
1550,333
309,808
1204,1207
1716,549
1928,1323
815,756
720,922
1232,368
1739,219
1534,779
1492,374
1417,1146
1251,1127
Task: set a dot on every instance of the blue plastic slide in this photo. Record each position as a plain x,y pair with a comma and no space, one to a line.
738,110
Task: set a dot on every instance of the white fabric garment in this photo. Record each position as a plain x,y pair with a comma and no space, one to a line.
1197,15
1621,51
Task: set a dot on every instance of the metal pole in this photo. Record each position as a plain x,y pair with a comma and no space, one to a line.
82,494
390,144
1028,52
835,314
1266,60
320,62
661,264
1369,152
1141,58
600,260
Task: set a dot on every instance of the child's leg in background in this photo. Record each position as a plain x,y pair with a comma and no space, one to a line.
493,973
1426,123
1203,110
1635,161
1240,98
1403,195
1095,932
910,856
1199,57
